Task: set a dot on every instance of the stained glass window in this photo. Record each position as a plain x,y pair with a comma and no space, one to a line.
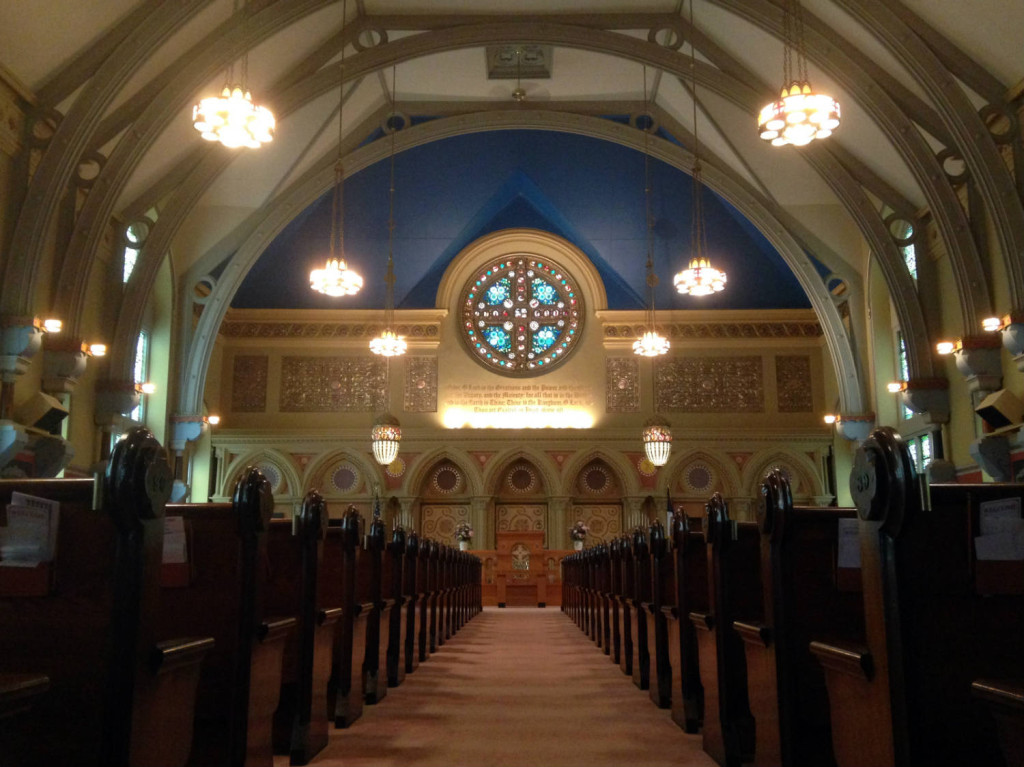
521,315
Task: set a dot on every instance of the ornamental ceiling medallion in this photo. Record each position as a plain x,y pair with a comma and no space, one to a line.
521,316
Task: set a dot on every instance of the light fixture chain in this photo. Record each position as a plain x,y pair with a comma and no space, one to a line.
389,306
788,44
801,56
648,211
338,211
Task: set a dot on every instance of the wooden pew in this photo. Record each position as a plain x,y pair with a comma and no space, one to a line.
435,581
1005,701
342,546
225,597
806,594
295,554
603,586
425,581
625,606
369,585
660,668
904,698
614,603
734,580
394,588
641,593
690,590
414,596
85,624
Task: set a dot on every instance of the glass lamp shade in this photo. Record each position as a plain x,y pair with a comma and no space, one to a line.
385,437
798,117
335,279
657,440
700,279
233,119
388,344
651,344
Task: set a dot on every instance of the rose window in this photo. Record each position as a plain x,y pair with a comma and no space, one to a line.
521,316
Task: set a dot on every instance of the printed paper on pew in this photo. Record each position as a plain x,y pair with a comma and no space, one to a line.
175,549
849,543
30,536
999,516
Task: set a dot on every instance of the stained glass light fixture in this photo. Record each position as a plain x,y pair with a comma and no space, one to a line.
385,438
389,343
700,278
800,115
233,118
336,279
657,440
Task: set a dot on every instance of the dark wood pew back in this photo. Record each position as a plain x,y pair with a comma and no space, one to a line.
689,595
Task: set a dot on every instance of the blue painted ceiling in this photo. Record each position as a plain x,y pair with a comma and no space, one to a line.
451,192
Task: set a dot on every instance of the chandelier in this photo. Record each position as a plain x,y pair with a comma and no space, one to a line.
650,343
389,343
232,118
336,278
700,278
384,438
800,115
657,440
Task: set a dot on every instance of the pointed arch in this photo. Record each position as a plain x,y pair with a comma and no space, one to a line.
806,478
625,474
316,477
425,463
290,481
724,470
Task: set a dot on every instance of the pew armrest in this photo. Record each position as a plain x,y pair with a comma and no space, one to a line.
18,691
671,612
1002,692
703,621
328,615
177,653
754,633
275,628
846,658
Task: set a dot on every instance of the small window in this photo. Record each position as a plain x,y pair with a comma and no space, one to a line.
903,231
140,373
131,251
904,370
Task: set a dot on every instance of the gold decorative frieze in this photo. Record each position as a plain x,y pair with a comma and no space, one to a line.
357,330
710,385
332,385
249,384
793,382
622,385
420,384
700,330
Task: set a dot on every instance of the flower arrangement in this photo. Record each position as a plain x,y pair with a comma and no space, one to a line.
578,531
463,532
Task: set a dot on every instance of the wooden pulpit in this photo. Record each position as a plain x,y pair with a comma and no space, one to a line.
521,575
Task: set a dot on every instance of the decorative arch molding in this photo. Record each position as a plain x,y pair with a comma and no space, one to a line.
500,464
316,477
763,213
425,463
294,488
625,472
809,482
729,475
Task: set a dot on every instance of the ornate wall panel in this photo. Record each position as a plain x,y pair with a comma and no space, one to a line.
597,481
793,381
249,384
520,517
622,385
604,521
710,385
699,478
420,384
439,521
332,385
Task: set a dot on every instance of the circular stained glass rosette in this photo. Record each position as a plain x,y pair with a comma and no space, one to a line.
521,316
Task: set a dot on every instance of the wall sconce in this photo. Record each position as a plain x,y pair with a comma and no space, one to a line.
855,428
98,350
895,387
1012,328
213,420
948,347
52,325
831,418
145,388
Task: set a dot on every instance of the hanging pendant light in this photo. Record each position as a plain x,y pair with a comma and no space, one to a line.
657,440
389,343
650,343
385,438
233,118
800,115
336,278
700,278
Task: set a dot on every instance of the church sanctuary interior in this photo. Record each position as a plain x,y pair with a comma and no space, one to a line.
557,382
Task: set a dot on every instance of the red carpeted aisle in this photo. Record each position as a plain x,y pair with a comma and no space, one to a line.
518,686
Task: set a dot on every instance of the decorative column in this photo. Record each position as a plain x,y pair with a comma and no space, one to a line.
558,522
633,512
855,427
115,400
482,521
409,517
184,429
1013,336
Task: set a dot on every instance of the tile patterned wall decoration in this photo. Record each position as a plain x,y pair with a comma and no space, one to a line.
439,521
710,385
520,517
332,385
420,384
622,385
604,521
793,381
249,384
